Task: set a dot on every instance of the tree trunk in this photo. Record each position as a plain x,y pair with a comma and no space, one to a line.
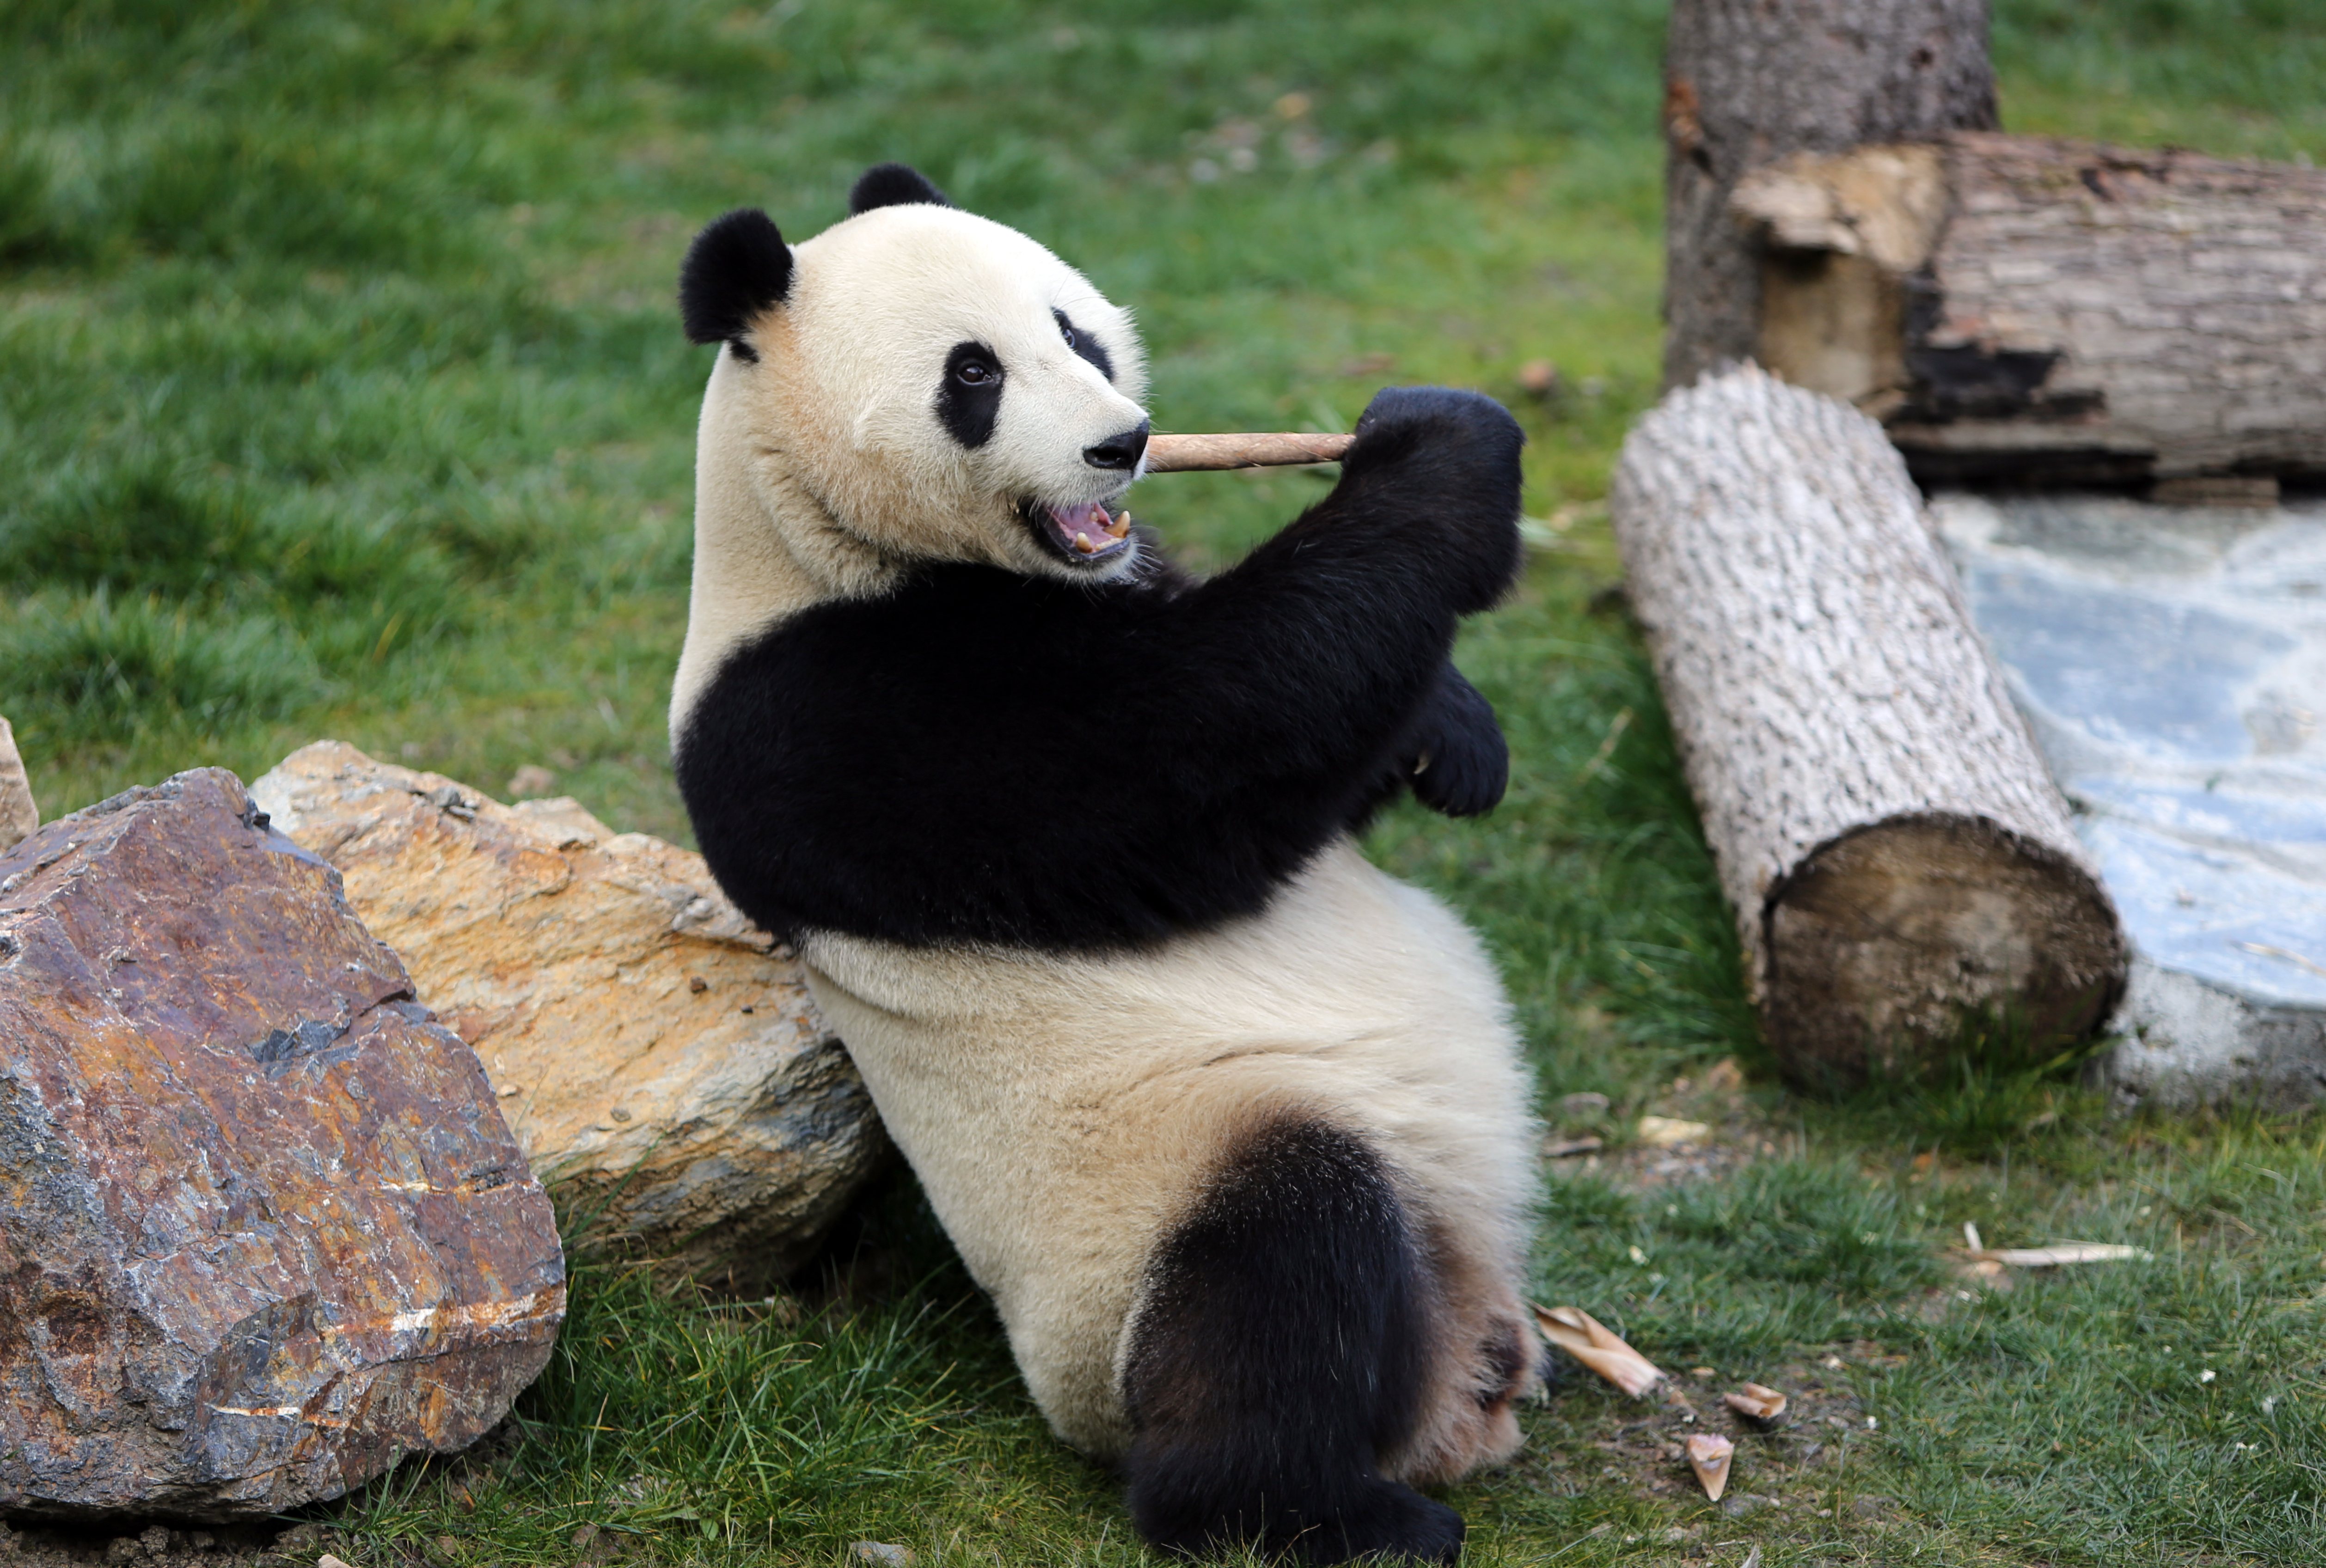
2014,306
1747,82
1902,868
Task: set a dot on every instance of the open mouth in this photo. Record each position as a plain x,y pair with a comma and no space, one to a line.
1082,532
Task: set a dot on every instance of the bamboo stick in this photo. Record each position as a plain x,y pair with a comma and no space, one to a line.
1173,454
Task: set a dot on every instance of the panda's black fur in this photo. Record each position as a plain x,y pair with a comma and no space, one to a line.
981,758
936,765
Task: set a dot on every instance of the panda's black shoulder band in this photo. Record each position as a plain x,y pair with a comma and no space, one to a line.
736,267
893,185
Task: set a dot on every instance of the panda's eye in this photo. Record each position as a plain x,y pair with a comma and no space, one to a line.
973,373
1072,341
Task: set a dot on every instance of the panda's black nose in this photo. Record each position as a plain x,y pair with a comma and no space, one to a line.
1118,451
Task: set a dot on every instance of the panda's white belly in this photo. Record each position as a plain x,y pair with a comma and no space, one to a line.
1058,1110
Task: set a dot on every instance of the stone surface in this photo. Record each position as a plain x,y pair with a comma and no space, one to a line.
663,1069
2171,661
18,815
262,1228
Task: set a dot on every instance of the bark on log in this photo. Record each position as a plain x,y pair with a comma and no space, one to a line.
1175,454
1901,866
1747,82
2016,306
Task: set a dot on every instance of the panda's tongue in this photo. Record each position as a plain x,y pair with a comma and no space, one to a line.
1085,528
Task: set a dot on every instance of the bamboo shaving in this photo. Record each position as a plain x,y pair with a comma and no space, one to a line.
1760,1402
1708,1455
1583,1337
2053,1254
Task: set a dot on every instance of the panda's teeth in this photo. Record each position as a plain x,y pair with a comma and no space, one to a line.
1082,543
1120,527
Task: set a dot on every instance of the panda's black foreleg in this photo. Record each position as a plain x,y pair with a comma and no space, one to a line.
1277,1356
1459,763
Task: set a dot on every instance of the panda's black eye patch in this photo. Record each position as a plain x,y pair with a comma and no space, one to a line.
1084,345
969,397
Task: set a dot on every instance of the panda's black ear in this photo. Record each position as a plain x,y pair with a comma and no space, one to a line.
893,185
736,267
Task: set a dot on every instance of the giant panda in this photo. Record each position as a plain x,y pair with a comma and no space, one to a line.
1232,1128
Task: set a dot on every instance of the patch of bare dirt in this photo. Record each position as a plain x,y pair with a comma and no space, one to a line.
1697,1128
161,1545
1791,1464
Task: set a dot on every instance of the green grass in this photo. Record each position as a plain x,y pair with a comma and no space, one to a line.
340,395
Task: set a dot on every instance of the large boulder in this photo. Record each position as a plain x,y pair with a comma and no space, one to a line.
657,1056
262,1228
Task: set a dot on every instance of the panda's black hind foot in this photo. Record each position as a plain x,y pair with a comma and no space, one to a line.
1388,1524
1378,1522
1277,1357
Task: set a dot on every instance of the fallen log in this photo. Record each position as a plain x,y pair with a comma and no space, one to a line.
1902,868
2025,308
1179,454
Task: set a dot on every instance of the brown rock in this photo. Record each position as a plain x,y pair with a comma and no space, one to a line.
18,816
262,1228
661,1064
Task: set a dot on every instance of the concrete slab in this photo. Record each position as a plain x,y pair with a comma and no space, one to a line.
2172,663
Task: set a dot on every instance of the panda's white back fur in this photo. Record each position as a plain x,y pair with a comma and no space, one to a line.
1062,1111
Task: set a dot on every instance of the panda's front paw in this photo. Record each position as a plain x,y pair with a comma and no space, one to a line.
1434,463
1400,420
1461,764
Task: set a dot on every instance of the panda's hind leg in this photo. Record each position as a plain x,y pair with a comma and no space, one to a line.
1278,1354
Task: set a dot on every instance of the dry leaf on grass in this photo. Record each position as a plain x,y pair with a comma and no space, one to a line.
2053,1254
1708,1455
1666,1132
1761,1404
1583,1337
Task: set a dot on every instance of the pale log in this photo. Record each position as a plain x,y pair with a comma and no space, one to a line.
18,815
2018,307
1901,868
1169,454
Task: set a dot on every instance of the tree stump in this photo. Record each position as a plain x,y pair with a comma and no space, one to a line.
1901,868
1747,84
2030,308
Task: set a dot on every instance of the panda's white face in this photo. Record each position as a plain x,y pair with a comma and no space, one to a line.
948,389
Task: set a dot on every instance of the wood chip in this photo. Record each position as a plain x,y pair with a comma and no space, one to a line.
1583,1337
1168,454
1666,1132
1708,1455
328,1560
1753,1400
1561,1148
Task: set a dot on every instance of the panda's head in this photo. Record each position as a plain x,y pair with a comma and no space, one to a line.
936,386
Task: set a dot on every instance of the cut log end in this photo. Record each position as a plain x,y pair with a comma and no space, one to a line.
1171,454
1890,948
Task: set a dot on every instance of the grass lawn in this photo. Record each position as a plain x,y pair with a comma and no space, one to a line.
341,395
